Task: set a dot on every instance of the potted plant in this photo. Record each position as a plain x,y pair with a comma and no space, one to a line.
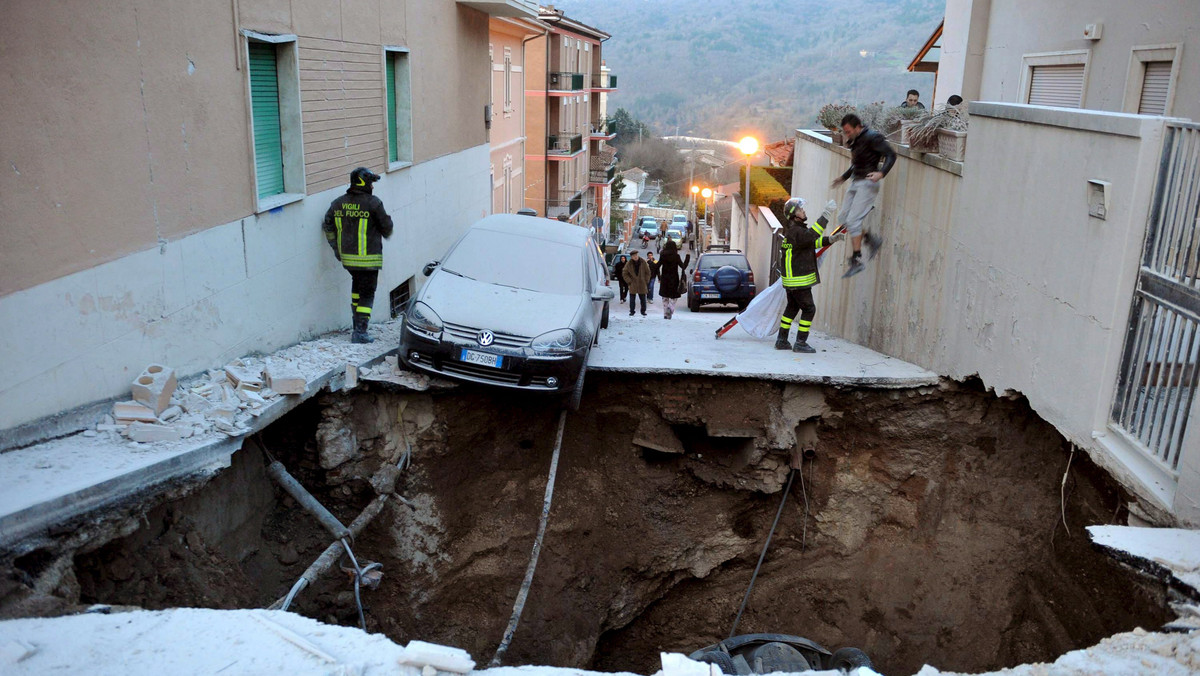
830,116
874,115
925,136
900,120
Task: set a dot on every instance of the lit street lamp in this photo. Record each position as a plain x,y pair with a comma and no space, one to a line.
748,146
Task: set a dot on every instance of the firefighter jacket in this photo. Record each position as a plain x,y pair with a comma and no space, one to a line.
800,244
355,226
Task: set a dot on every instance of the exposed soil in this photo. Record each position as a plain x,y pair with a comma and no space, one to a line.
934,532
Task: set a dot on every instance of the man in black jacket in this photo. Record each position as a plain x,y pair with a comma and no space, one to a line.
355,226
800,244
867,148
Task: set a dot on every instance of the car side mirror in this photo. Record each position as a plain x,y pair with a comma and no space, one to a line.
429,267
604,293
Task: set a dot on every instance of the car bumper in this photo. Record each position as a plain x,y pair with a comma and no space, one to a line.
715,295
519,370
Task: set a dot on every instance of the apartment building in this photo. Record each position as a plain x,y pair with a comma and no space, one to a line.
1111,55
508,37
164,197
569,168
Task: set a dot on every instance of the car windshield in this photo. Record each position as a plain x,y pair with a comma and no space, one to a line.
714,261
520,262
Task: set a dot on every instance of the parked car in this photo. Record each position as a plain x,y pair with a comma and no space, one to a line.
721,277
517,302
675,235
678,221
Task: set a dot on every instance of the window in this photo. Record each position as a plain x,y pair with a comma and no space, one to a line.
508,71
1150,85
399,107
1055,79
399,297
274,84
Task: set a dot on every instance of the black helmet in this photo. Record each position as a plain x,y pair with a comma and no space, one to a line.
792,206
362,178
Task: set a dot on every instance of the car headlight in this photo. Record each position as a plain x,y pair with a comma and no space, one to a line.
561,341
423,319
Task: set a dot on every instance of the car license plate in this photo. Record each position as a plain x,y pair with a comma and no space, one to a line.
481,358
710,295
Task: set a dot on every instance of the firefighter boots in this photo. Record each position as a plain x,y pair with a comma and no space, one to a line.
359,335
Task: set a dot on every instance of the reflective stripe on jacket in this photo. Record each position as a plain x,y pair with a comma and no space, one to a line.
355,226
799,247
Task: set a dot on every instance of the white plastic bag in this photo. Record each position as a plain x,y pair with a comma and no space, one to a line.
761,316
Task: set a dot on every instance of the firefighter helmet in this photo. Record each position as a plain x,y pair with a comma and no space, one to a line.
792,206
363,177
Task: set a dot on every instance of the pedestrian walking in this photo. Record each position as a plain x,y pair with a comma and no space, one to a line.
617,270
653,276
800,275
637,276
867,149
671,271
355,226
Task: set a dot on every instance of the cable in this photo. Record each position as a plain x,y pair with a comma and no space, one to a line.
523,594
804,492
763,555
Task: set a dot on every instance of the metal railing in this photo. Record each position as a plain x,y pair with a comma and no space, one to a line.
566,203
565,82
604,81
603,128
564,144
602,175
1160,368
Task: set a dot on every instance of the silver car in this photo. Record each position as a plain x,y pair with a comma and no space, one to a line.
517,302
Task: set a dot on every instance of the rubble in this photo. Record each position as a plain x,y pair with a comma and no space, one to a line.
154,387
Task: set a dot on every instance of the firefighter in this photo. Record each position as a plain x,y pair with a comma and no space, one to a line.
355,226
800,244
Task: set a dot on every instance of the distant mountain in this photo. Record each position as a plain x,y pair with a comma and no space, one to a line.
720,68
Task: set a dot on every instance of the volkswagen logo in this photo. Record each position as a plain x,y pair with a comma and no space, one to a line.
485,337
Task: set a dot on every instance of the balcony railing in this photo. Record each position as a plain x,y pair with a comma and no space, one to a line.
603,128
564,144
604,81
565,82
565,204
604,176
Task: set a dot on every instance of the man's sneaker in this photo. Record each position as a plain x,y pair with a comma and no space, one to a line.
874,244
782,344
856,266
803,346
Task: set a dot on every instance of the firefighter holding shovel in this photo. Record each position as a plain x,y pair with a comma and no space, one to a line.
800,244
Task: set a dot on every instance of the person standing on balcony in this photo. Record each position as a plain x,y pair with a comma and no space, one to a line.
355,226
637,277
800,275
913,100
867,149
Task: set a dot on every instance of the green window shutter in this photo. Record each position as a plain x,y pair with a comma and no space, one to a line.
393,146
264,102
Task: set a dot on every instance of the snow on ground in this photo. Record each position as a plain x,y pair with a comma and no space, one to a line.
200,641
1175,548
685,344
48,482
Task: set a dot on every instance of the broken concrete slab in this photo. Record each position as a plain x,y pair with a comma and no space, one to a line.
154,387
285,379
149,433
351,376
440,657
130,411
242,376
655,434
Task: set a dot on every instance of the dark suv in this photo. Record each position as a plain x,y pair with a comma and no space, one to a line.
721,277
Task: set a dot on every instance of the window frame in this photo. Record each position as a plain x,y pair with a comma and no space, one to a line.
1139,55
291,130
1071,57
404,132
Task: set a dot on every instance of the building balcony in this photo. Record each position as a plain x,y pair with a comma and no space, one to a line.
603,82
603,130
567,203
602,176
564,145
564,82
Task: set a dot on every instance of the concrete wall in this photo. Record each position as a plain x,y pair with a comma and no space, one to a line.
1002,273
132,234
137,133
1019,27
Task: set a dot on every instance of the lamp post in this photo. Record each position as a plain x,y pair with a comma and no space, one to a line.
749,146
695,190
707,194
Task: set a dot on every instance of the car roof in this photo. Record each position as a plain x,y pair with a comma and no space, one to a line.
534,228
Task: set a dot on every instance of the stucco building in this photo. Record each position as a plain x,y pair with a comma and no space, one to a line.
508,37
565,127
163,200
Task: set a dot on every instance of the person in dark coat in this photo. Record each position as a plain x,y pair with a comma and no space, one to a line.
637,276
653,276
617,270
670,272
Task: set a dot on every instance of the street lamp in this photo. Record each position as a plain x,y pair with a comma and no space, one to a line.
695,190
749,146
